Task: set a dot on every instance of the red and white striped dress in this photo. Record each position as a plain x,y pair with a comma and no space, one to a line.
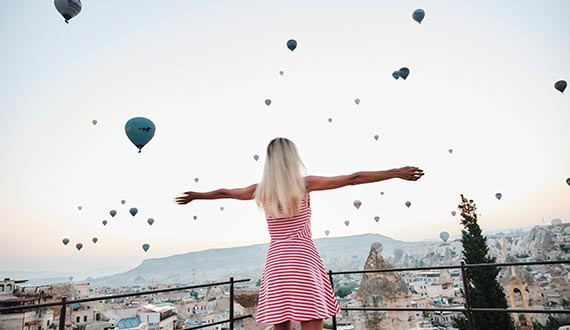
295,285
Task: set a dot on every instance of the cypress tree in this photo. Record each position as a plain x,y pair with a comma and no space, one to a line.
484,289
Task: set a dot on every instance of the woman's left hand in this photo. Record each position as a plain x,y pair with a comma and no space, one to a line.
186,198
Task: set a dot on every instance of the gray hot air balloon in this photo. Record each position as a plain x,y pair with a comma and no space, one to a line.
133,211
450,151
281,73
408,203
357,204
196,180
68,8
418,15
65,241
78,246
79,207
104,222
94,239
347,223
404,72
221,208
357,101
140,131
382,193
195,217
292,44
453,213
444,236
113,213
556,222
256,157
145,247
376,218
376,137
560,85
150,221
378,247
396,74
330,120
94,122
123,202
498,195
327,232
568,181
267,102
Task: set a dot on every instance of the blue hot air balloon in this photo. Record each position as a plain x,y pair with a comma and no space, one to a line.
292,44
498,195
133,211
267,102
68,8
65,241
408,203
404,72
78,246
150,221
140,131
145,247
418,15
444,236
94,122
396,74
113,213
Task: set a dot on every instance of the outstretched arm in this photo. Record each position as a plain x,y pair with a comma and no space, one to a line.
238,193
409,173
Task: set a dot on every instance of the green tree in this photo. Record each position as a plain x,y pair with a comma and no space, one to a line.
484,289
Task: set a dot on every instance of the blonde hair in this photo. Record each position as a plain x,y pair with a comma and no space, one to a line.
282,186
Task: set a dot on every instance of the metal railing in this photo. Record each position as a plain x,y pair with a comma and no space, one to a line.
468,309
64,303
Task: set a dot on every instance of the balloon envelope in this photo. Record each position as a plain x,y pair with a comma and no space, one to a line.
347,223
568,181
145,247
94,122
444,236
330,120
79,207
267,102
560,85
418,15
65,241
113,213
281,73
453,213
404,72
123,202
140,131
195,217
498,195
78,246
376,218
376,137
396,74
150,221
256,157
450,150
94,239
292,44
357,204
408,203
357,101
133,211
196,180
68,8
327,232
382,193
221,208
104,222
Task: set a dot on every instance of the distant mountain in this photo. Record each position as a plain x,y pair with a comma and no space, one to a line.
338,253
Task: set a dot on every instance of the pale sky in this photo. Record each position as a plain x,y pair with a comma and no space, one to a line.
481,83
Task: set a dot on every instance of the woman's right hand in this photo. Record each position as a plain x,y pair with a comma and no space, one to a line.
186,198
410,173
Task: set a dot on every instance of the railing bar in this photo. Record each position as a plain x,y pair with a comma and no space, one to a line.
527,263
387,270
219,322
332,286
462,309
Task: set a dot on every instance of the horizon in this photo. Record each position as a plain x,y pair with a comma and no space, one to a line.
481,83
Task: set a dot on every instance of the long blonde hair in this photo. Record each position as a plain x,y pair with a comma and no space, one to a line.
282,186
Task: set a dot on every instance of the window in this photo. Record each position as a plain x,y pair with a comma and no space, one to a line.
1,287
8,287
77,319
85,318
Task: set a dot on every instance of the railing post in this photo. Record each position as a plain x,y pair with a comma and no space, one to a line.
332,286
467,298
231,303
62,313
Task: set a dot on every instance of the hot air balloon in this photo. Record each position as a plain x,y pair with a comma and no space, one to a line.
78,246
140,131
150,221
255,157
113,213
568,181
560,85
556,222
450,151
376,218
281,73
327,232
418,15
378,247
396,74
330,120
196,180
104,222
65,241
267,102
145,247
123,202
79,207
382,193
133,211
68,8
357,204
195,217
404,72
357,101
221,208
376,137
498,195
453,213
347,223
408,203
94,239
292,44
444,236
94,122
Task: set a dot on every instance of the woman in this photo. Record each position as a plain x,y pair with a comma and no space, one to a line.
294,284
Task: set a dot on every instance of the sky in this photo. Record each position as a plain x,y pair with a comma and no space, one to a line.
481,83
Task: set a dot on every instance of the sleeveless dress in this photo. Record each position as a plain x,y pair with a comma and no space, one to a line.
295,285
